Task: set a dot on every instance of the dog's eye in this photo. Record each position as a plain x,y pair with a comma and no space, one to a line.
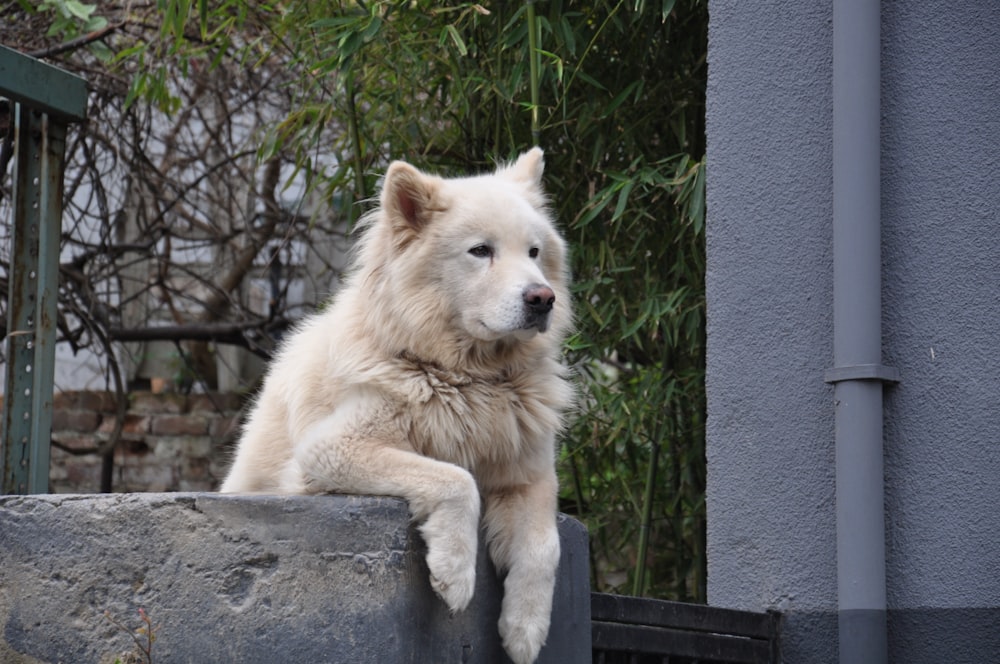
533,252
481,251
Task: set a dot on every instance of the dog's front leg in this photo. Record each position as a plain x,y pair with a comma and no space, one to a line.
524,541
443,497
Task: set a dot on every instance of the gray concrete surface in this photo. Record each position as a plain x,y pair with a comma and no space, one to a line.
262,579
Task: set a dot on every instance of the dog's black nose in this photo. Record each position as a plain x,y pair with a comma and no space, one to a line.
539,298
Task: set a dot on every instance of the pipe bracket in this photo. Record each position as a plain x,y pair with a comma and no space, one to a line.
878,372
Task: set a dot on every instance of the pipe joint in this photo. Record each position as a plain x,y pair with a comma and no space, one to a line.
879,372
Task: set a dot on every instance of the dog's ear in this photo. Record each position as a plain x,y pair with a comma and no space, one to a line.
528,168
408,196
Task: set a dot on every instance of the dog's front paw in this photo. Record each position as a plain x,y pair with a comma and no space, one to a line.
523,634
526,610
451,534
453,580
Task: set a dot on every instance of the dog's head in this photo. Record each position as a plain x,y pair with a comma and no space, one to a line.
478,255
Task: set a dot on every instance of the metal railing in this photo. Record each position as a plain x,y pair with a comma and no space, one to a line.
633,630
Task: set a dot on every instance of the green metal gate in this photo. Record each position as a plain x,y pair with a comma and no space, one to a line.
45,100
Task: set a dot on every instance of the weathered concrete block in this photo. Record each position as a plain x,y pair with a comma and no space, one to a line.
250,579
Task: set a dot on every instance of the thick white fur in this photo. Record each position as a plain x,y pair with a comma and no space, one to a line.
427,379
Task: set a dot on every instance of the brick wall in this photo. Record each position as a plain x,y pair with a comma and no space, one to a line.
169,442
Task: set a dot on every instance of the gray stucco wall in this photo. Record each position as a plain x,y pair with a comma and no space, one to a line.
771,519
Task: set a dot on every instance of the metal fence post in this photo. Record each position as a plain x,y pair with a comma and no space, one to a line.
45,100
31,303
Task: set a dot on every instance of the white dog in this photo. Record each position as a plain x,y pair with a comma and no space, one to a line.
435,376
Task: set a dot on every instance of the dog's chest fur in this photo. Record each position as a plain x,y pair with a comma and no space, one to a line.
472,420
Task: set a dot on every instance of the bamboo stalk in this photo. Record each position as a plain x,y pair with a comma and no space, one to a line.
536,131
352,117
639,582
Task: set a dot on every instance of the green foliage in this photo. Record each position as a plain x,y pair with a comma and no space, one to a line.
69,21
623,129
72,17
614,92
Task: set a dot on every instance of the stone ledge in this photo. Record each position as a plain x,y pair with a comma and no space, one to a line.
251,579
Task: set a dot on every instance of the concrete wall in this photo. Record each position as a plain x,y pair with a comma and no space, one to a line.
771,519
941,296
254,580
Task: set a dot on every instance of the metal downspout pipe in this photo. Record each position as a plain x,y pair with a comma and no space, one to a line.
858,375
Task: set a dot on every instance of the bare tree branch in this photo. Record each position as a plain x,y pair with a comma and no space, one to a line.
79,42
237,334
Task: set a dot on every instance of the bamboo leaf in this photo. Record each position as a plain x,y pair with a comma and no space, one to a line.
203,17
78,9
622,199
457,39
620,99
